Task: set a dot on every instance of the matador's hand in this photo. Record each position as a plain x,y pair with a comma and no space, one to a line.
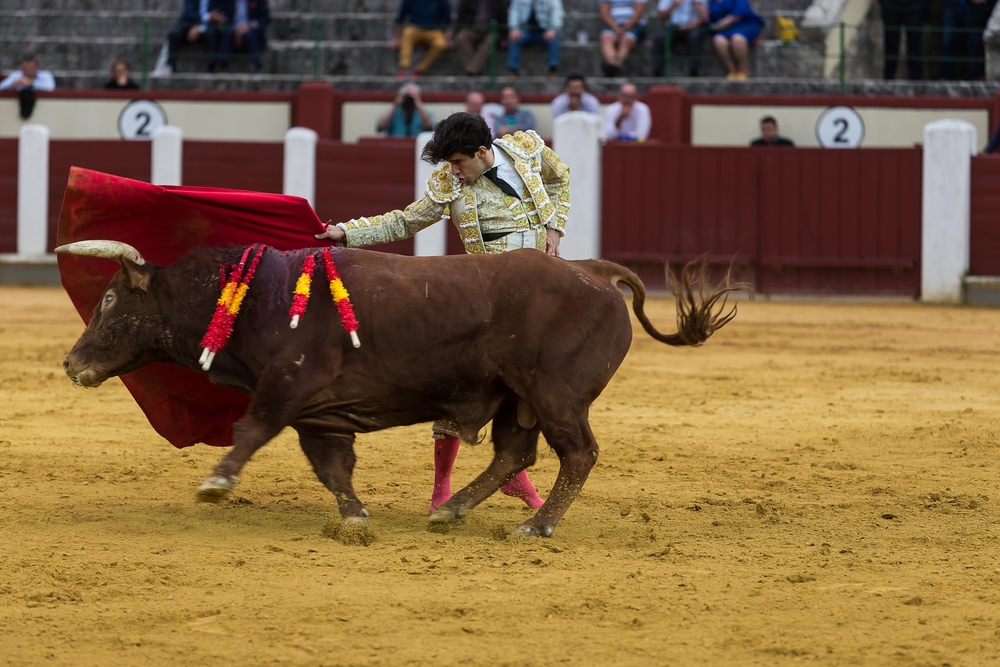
552,242
334,233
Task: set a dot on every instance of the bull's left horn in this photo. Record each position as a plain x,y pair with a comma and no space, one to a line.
107,249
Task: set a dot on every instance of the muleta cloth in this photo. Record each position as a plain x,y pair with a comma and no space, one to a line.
165,223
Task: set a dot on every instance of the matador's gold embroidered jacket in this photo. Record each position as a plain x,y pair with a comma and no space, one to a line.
481,206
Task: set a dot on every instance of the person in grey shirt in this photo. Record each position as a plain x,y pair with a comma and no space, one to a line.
513,118
575,98
685,21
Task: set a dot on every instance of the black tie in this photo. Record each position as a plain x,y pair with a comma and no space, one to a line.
500,183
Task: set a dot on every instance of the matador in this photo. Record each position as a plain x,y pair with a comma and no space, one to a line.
501,195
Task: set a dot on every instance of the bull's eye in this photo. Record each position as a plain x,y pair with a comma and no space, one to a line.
108,298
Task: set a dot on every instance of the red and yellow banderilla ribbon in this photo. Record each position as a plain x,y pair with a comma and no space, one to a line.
341,298
228,305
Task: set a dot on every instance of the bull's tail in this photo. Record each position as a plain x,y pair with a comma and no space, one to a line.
701,309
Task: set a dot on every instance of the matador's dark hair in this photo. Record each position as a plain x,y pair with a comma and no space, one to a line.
458,133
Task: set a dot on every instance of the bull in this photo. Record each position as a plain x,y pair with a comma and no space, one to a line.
523,339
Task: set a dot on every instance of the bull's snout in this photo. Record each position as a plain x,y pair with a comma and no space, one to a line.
81,377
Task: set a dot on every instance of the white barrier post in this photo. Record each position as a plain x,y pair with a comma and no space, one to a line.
32,190
300,163
168,155
431,241
577,139
944,259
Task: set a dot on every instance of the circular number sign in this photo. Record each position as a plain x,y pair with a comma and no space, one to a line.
140,118
840,127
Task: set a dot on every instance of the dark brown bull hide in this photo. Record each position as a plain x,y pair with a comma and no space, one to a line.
525,340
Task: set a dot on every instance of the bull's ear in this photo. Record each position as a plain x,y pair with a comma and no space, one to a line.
136,275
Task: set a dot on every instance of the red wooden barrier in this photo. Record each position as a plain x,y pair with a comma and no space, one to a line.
8,195
130,159
355,180
239,165
984,227
797,221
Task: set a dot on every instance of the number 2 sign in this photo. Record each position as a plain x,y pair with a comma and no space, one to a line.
840,127
140,118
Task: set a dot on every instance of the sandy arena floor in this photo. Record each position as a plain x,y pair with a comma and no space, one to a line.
817,484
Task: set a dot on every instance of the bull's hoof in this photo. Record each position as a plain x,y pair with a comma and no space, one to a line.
357,520
527,530
214,489
445,514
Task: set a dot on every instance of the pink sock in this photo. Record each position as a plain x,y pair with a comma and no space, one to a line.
521,487
445,451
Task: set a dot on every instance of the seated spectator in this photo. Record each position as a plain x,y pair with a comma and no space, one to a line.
534,22
628,119
26,81
120,79
625,23
474,104
896,16
513,118
575,98
994,142
421,22
972,15
244,28
683,23
473,39
769,134
407,117
736,27
191,28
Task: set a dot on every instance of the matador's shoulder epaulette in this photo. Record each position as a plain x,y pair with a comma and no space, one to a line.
526,144
442,186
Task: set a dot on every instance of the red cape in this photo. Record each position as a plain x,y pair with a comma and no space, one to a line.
165,223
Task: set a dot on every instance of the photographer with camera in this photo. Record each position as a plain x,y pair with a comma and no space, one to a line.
407,117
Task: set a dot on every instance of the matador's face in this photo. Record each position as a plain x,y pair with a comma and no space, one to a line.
468,168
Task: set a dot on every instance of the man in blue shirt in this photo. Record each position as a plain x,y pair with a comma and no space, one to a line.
427,22
244,26
534,22
683,22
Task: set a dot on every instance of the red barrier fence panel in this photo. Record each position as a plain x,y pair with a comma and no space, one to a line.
984,228
797,221
677,203
8,195
355,180
238,165
840,222
130,159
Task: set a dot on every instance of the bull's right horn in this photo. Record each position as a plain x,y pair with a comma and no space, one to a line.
107,249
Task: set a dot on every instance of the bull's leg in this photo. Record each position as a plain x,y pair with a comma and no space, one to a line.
282,391
514,450
332,458
577,449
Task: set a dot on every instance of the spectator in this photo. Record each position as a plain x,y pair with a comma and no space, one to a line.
473,40
683,23
769,134
575,98
628,119
626,27
26,81
191,28
908,15
244,27
120,79
994,141
407,117
971,15
428,21
534,22
736,27
513,118
475,105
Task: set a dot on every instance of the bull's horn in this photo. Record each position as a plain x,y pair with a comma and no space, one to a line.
107,249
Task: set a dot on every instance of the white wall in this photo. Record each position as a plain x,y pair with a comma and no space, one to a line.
723,125
98,119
